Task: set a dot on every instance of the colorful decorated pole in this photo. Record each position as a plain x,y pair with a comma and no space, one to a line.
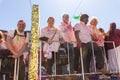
33,66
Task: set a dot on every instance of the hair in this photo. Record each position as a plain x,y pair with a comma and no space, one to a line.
94,18
21,21
50,18
101,30
83,16
112,28
65,16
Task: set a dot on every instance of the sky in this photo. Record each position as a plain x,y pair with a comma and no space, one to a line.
11,11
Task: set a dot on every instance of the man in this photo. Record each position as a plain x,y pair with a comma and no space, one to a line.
84,40
17,41
50,47
68,36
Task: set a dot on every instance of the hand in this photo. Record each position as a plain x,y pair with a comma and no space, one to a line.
49,41
78,44
69,25
20,53
15,56
14,53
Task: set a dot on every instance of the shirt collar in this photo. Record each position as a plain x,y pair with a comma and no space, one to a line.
19,32
50,28
63,23
83,23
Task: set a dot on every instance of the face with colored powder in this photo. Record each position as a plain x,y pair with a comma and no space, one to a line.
21,25
50,21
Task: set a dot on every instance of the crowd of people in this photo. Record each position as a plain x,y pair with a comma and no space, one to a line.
85,41
87,46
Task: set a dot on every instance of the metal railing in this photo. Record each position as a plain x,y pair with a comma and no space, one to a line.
77,74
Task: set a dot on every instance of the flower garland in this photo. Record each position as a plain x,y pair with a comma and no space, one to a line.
33,66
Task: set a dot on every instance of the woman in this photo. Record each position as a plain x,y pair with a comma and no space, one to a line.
97,36
113,48
51,45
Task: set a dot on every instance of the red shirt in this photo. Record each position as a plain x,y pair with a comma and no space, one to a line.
113,37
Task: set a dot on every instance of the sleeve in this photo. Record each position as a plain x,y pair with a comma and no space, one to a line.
11,33
42,33
27,38
39,32
76,27
42,36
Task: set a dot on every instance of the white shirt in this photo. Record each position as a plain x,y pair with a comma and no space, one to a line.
67,33
17,40
49,32
11,34
84,34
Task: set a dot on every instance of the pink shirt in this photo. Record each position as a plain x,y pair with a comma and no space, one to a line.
97,35
67,33
84,34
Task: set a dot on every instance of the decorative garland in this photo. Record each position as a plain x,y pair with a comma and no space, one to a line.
33,66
